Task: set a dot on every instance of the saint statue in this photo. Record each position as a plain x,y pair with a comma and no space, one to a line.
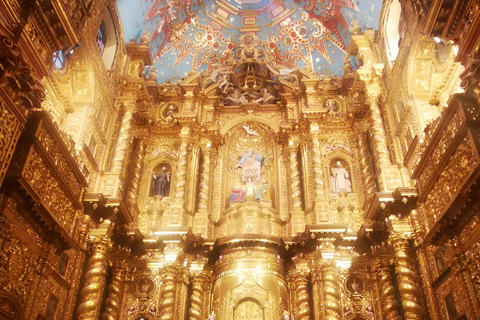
340,179
161,183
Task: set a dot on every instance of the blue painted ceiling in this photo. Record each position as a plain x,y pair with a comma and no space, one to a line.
198,35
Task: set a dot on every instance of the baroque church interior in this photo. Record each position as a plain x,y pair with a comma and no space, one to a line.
240,159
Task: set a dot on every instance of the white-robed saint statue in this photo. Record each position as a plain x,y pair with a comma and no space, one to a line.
340,179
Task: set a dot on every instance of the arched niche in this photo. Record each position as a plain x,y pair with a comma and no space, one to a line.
155,166
10,307
250,163
346,160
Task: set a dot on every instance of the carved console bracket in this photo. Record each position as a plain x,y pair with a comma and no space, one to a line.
400,202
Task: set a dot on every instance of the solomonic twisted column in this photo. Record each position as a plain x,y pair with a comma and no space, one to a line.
333,306
367,168
295,179
196,308
182,170
122,143
387,294
407,279
317,167
134,180
113,300
302,298
379,137
92,292
204,181
167,294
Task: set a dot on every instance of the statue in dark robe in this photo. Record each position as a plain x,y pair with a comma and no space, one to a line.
161,183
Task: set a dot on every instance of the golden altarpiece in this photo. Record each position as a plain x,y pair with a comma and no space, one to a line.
255,189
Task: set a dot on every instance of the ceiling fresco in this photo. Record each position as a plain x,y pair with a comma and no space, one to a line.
200,35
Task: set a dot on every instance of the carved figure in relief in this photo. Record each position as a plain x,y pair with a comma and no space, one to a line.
161,183
266,97
331,106
237,194
340,179
211,316
250,163
236,98
263,193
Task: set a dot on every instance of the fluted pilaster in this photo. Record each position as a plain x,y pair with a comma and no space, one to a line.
302,297
331,293
295,178
92,291
196,298
122,143
114,298
407,279
367,168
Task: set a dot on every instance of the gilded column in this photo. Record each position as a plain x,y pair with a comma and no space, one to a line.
366,165
134,181
204,180
92,291
182,169
379,137
302,297
122,143
167,294
318,181
114,298
196,298
387,293
407,279
331,292
317,290
295,177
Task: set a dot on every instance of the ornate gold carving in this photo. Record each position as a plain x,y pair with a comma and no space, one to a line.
452,179
45,185
9,132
